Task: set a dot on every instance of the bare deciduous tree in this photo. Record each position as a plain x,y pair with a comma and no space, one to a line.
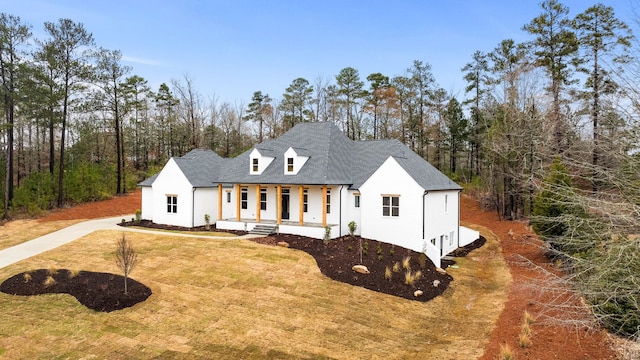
126,258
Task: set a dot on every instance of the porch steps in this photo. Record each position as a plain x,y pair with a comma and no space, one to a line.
263,230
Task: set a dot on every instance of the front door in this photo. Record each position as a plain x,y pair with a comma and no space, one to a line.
285,204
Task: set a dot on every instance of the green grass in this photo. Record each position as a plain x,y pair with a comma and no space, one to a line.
237,299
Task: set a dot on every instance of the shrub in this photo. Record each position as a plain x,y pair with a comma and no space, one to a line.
138,215
73,273
528,318
27,277
352,228
505,352
417,275
49,281
396,267
422,260
409,278
524,341
406,263
207,222
327,234
388,273
380,257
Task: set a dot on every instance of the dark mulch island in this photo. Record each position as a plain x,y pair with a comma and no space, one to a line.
337,257
97,291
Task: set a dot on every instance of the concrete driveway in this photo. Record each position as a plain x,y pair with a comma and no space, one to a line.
50,241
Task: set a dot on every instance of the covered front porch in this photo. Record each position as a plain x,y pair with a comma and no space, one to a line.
309,229
292,209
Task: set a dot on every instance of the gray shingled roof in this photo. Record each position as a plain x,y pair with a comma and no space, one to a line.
200,166
334,159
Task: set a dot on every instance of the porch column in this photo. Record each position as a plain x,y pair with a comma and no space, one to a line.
279,203
301,202
219,201
238,202
258,203
324,205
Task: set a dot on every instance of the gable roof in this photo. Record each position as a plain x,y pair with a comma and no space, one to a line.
334,159
200,166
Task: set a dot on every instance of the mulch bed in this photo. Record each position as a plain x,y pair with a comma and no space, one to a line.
337,257
96,290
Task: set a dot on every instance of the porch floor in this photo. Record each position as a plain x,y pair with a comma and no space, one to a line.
274,222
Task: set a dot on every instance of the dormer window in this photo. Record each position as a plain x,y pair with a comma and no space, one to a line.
295,158
259,160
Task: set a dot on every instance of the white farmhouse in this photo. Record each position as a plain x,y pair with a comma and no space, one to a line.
310,180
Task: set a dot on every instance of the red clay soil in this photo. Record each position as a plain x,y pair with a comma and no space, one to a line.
548,340
118,205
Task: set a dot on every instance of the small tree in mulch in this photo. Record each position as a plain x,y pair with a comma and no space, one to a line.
352,230
126,258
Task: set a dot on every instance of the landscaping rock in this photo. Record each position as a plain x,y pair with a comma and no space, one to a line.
360,269
283,244
436,283
418,293
441,271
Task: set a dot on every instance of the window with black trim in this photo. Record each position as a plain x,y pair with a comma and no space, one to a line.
356,200
328,201
255,164
228,197
305,198
263,199
243,198
172,204
290,164
390,205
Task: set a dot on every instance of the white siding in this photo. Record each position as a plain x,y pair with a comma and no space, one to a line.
404,230
206,202
351,212
147,203
171,181
441,219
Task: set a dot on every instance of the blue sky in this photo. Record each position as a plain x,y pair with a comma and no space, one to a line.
232,48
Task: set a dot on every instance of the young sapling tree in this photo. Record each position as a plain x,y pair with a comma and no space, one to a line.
126,258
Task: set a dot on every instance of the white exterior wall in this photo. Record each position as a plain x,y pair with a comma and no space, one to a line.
404,230
349,211
206,202
171,181
147,203
441,220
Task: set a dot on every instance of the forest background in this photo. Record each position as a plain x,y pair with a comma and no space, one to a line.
547,131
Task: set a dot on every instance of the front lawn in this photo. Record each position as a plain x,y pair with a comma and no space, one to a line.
235,298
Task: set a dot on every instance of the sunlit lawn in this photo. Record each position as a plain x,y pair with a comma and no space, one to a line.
18,231
237,299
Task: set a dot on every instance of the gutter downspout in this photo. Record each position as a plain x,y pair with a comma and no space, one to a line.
193,206
340,213
458,232
424,195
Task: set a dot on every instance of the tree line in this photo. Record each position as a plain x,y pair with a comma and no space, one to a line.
80,126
